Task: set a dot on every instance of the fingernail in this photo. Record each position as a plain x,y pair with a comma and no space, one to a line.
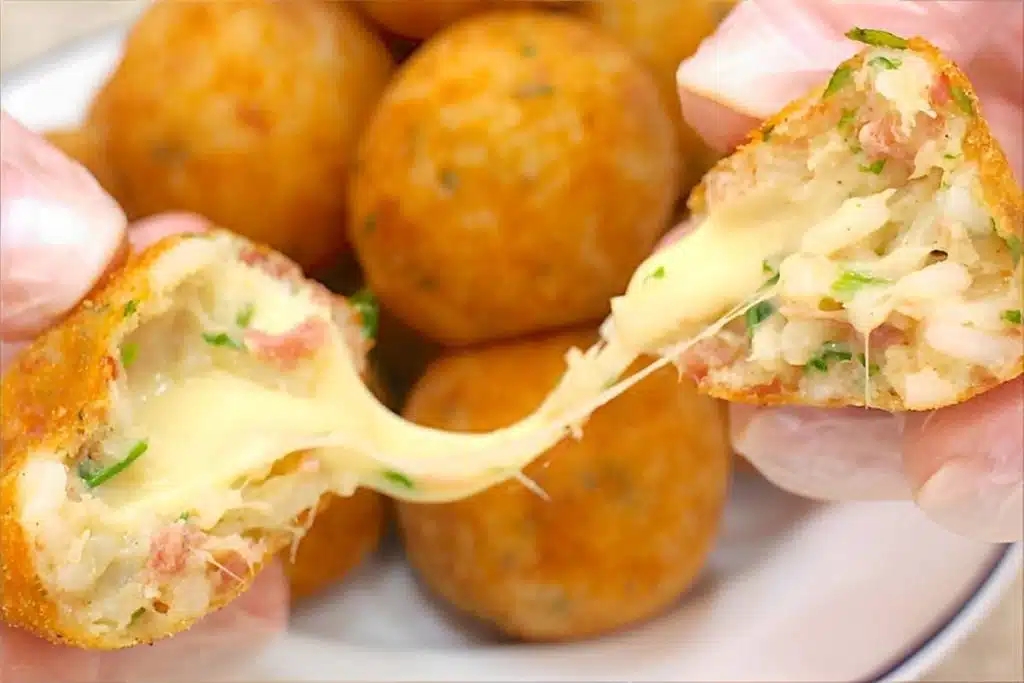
973,504
148,231
59,231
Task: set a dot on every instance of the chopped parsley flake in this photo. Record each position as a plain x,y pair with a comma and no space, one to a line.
962,99
881,62
851,281
222,339
656,274
766,134
136,614
846,119
129,352
184,516
874,167
93,477
873,368
244,316
830,352
449,179
528,50
757,314
840,77
1012,316
131,307
534,90
1016,248
877,38
368,309
950,156
773,275
398,479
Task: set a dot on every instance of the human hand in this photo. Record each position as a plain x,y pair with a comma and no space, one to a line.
962,465
60,234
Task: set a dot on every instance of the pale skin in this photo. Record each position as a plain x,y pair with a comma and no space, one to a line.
962,465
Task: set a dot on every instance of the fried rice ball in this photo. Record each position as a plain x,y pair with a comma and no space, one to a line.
664,33
345,531
620,523
423,18
246,112
520,166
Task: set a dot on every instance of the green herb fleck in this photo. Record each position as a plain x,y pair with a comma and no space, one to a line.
370,224
528,50
136,615
846,119
840,77
766,133
830,352
1016,248
851,281
1012,316
950,156
365,304
129,352
656,274
131,307
962,99
244,316
877,37
94,478
398,479
881,62
757,314
222,339
873,368
874,167
773,275
534,90
184,516
449,180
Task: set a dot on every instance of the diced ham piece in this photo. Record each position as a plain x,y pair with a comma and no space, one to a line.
286,350
707,355
273,264
885,336
170,547
883,139
941,91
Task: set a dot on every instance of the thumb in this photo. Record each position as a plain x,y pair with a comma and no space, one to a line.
60,230
769,52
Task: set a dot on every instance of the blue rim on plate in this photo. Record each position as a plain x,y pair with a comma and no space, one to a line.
959,622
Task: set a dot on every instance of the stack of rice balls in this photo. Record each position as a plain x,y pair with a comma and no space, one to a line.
493,171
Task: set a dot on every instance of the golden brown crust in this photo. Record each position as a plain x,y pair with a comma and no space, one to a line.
1002,193
56,396
345,531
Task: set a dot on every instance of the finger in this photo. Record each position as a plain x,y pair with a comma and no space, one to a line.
849,454
228,636
769,52
966,464
60,231
148,231
677,233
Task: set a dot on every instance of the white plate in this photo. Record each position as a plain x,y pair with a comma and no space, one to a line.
795,591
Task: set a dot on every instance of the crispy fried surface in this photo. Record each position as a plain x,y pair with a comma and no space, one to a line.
519,168
246,113
1002,194
664,33
345,531
632,512
55,397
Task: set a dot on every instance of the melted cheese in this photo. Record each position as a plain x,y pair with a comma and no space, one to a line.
210,429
